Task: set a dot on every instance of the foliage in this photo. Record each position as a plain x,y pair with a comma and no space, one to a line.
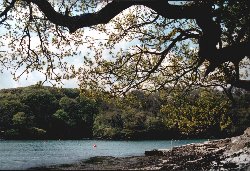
45,112
7,109
11,133
240,113
62,116
202,113
199,113
20,119
37,133
42,104
139,45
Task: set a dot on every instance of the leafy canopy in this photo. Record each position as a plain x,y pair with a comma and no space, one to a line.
146,44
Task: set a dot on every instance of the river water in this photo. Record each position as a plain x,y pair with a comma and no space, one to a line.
15,155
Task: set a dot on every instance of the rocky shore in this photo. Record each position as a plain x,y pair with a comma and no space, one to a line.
225,154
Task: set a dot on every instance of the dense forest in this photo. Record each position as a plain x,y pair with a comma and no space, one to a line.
38,112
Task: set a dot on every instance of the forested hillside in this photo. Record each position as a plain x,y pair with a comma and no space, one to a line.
38,112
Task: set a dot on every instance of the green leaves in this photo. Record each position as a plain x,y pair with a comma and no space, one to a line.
63,116
46,112
20,119
199,112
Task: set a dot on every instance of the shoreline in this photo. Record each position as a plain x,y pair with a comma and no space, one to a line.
224,154
109,163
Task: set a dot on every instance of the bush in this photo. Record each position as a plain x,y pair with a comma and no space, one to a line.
37,132
11,134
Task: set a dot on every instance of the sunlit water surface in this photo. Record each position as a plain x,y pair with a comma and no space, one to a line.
26,154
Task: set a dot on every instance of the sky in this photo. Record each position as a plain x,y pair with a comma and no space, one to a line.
7,81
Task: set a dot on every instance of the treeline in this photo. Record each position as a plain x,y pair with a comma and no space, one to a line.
38,112
44,112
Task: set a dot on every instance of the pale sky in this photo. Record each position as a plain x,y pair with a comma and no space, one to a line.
6,81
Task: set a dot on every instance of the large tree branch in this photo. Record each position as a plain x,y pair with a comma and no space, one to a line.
112,9
234,53
85,20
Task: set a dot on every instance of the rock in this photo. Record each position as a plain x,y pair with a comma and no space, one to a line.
225,154
247,132
240,142
155,152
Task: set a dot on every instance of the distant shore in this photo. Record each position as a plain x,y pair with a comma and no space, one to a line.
225,154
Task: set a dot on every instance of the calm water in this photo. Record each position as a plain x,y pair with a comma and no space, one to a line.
26,154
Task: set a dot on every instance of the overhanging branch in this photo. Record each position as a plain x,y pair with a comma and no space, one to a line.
234,53
112,9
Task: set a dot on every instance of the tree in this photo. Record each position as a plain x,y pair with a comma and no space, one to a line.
108,124
63,117
192,43
75,116
201,113
23,125
20,119
8,108
42,104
